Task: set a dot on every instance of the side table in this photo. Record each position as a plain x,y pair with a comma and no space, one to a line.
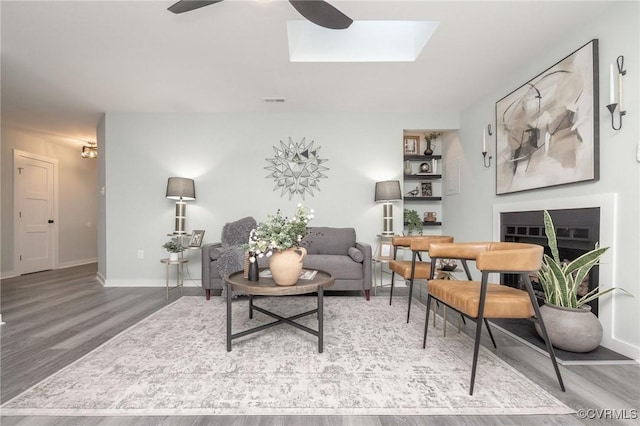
179,273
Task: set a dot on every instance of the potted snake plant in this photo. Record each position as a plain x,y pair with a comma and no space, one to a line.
569,321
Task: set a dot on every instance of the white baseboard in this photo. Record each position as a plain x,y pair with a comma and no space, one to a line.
623,348
147,283
1,322
8,274
79,262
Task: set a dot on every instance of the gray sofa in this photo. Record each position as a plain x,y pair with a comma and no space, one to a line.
334,250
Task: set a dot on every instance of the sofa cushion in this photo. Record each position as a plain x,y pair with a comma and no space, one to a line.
326,240
356,255
340,266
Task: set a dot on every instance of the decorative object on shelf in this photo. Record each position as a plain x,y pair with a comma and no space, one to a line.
547,129
296,168
427,189
407,168
428,139
386,192
414,193
485,149
286,265
425,168
430,217
174,248
90,151
196,238
181,189
621,72
560,281
413,221
411,145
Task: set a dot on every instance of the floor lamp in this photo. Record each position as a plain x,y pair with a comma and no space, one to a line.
386,192
181,189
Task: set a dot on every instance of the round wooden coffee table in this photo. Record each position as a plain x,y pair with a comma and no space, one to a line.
267,287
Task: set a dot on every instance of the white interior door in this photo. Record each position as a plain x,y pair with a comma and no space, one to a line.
35,215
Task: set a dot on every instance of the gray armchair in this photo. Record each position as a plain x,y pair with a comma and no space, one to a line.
227,255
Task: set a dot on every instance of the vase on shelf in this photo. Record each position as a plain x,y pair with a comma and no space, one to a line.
286,265
429,150
407,168
174,256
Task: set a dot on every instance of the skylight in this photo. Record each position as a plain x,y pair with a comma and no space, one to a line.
363,41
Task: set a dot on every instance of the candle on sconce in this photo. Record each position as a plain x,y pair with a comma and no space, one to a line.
611,86
484,141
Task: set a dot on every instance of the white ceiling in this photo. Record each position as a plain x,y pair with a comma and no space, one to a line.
66,62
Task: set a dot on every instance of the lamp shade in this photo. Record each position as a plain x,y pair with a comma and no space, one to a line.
179,188
388,190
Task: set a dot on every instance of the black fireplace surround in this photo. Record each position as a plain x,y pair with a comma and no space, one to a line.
577,232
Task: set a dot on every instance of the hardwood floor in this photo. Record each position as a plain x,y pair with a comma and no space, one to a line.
55,317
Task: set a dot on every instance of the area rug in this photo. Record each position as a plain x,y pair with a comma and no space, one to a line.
175,363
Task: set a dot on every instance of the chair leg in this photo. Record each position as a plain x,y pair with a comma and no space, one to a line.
393,274
426,322
486,323
207,293
476,351
543,329
410,293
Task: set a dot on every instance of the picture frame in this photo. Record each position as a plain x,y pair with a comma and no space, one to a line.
385,250
426,189
547,130
411,145
196,238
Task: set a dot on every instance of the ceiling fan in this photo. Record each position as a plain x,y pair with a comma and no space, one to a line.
317,11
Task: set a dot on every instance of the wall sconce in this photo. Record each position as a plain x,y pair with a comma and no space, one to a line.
181,189
612,100
386,192
90,151
485,151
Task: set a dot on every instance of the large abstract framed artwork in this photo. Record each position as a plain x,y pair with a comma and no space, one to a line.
547,129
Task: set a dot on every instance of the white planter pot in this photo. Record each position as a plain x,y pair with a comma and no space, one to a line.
174,256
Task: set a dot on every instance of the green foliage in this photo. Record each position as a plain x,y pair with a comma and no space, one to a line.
413,221
431,136
173,246
279,232
561,279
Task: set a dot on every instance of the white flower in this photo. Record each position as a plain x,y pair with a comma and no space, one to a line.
261,255
252,259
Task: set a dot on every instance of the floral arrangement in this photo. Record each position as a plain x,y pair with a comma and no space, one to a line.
279,233
431,136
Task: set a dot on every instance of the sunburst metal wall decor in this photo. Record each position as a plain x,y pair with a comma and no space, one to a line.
296,168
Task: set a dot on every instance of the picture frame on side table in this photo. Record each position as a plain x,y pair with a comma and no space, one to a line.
411,145
547,129
196,238
385,250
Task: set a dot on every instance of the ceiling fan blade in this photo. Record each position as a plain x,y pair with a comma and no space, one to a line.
188,5
322,13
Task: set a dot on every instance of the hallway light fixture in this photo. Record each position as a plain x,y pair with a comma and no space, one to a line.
386,192
90,151
181,189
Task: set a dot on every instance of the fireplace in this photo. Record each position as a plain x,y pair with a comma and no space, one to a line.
577,231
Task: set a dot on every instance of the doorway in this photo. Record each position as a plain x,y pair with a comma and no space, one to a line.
35,189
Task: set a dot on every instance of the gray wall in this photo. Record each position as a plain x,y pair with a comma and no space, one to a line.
226,155
470,213
77,196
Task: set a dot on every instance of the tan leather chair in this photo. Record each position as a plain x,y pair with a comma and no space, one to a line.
414,268
481,300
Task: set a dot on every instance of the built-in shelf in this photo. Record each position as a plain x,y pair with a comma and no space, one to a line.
428,223
422,177
423,198
422,157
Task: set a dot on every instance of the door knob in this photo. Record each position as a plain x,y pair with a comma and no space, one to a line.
50,220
